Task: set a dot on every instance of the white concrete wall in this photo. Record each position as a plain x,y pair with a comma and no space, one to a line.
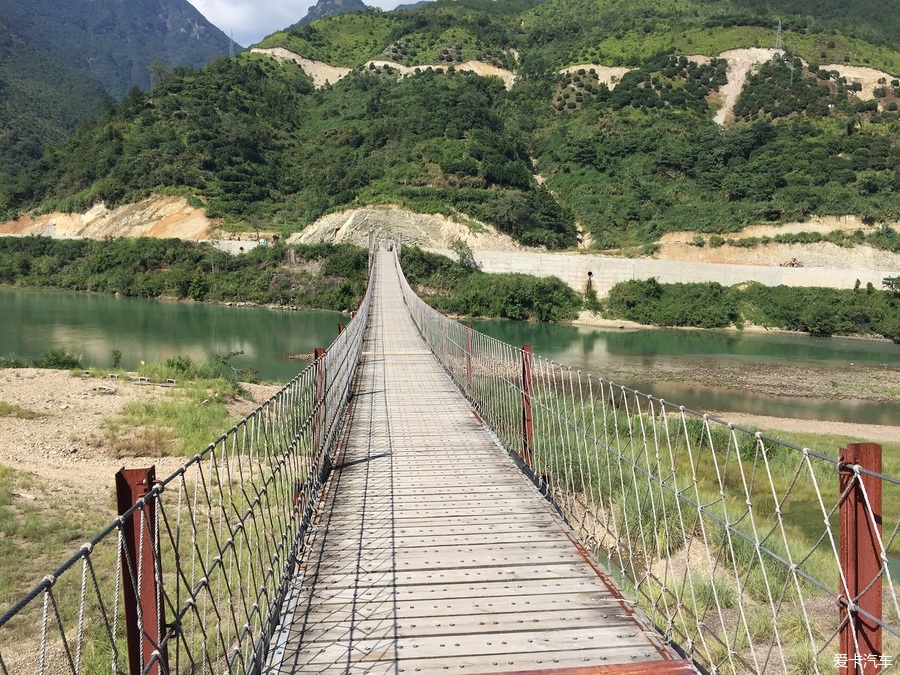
608,271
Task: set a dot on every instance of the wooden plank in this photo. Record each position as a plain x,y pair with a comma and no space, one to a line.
434,553
569,590
460,576
607,644
392,622
444,602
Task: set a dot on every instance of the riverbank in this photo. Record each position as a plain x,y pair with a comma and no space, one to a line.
66,439
846,382
59,429
591,319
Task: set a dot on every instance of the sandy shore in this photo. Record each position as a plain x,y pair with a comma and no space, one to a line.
68,445
874,433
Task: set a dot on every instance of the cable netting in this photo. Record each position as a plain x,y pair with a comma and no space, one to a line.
728,539
227,527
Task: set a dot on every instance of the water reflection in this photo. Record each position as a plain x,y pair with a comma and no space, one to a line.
95,325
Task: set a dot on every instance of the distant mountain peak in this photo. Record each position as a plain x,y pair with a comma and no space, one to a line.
325,8
114,41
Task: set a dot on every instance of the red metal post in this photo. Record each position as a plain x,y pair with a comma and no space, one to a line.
319,435
860,556
341,328
469,375
527,418
144,629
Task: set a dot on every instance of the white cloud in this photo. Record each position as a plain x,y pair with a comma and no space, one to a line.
252,20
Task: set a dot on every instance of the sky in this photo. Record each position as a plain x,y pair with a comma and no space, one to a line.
252,20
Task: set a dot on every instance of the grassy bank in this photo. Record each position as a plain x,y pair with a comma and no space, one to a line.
460,288
322,276
817,311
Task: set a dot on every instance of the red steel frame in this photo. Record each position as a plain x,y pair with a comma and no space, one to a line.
144,628
527,414
860,554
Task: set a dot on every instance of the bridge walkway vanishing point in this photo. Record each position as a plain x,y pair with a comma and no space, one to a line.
434,553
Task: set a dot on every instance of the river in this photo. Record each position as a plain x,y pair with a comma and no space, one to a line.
646,351
35,320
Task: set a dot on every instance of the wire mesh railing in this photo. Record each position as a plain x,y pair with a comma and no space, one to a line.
749,554
191,577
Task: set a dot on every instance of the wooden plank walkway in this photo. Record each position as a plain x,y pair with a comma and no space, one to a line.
434,554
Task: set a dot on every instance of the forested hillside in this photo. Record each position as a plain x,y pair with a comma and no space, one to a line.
41,102
628,159
114,41
59,60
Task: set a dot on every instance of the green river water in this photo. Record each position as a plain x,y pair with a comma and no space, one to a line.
646,351
32,321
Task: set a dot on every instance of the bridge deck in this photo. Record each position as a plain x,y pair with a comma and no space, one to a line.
434,553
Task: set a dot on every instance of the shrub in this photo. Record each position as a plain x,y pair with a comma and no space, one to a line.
14,360
59,358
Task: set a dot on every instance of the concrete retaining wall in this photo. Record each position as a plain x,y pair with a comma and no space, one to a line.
607,271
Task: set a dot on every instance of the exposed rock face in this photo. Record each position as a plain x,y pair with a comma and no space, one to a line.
153,217
116,41
430,231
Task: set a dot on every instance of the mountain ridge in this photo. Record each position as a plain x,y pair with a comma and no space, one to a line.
324,8
115,41
565,147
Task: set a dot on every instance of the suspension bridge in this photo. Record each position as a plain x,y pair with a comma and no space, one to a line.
426,499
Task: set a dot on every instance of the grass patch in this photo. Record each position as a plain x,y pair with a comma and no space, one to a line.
38,530
14,360
183,423
17,411
58,358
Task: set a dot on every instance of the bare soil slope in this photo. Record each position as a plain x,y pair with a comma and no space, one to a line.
323,73
609,75
680,246
432,231
153,217
740,63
